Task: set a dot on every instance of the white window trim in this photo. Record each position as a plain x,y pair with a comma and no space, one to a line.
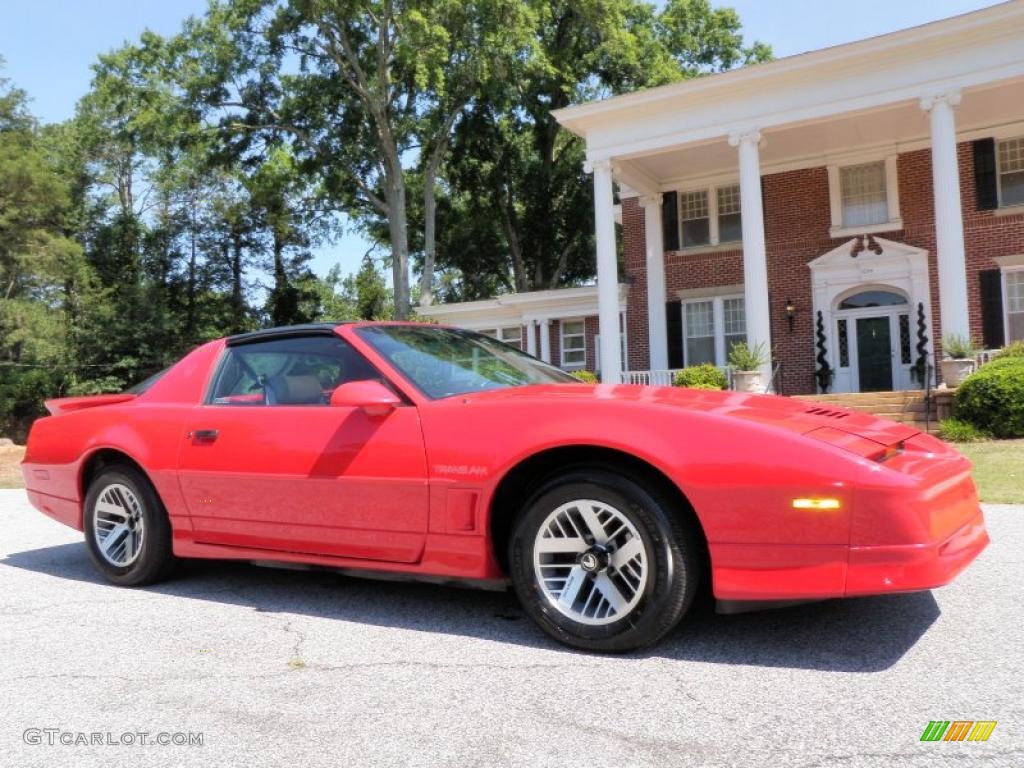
718,318
712,192
561,344
1006,300
1005,209
892,198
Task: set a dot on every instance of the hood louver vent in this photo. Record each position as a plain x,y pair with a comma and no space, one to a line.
826,413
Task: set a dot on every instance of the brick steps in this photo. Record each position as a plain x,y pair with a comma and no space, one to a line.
905,407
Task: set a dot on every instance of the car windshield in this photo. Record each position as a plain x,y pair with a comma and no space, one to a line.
445,361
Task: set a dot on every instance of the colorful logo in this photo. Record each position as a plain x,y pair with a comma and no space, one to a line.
958,730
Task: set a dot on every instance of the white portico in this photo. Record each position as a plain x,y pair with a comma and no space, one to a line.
857,106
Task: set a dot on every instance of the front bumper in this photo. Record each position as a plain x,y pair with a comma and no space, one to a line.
873,570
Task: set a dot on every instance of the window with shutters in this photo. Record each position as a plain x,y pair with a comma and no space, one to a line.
710,327
1010,171
696,219
1013,302
711,216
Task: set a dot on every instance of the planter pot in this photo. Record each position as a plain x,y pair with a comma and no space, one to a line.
955,371
746,381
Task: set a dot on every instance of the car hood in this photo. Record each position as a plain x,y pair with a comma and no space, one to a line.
769,410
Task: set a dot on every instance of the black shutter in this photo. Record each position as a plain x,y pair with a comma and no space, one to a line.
985,184
992,308
670,220
674,326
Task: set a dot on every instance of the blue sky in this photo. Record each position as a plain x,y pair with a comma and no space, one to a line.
49,46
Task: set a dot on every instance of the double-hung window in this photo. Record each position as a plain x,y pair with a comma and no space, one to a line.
1010,168
710,327
1013,302
573,344
710,216
512,335
864,198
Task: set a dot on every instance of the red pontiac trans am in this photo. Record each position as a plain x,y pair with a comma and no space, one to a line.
436,453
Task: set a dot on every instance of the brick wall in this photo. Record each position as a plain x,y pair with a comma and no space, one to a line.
797,220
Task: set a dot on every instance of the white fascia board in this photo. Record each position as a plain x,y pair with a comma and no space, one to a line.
821,87
1007,16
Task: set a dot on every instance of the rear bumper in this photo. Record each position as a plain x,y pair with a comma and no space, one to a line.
875,570
67,511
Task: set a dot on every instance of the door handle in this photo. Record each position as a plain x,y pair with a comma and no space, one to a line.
204,435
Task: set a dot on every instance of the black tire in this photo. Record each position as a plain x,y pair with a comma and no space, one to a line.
672,546
155,560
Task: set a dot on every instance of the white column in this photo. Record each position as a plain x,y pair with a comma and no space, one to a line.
755,261
531,337
607,271
657,331
949,223
545,340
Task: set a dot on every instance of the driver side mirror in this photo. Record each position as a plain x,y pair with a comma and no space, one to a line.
372,396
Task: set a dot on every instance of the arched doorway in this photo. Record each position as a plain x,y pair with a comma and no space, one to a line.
873,331
869,302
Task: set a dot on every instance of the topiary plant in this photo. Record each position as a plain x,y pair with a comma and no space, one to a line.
587,377
992,399
704,376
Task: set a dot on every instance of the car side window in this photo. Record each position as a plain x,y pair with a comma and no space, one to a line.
301,370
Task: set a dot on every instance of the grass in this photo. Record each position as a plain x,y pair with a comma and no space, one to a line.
998,469
10,472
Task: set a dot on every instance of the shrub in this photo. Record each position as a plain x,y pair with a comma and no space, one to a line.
1012,350
745,358
957,431
587,377
959,347
704,376
992,398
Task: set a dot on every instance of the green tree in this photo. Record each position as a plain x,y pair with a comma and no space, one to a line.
41,267
517,188
367,90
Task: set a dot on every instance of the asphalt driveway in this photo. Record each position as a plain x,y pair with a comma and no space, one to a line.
279,667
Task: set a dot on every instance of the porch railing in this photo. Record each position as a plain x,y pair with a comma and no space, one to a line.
663,378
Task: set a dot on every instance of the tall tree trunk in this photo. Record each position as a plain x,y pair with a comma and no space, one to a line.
430,207
398,226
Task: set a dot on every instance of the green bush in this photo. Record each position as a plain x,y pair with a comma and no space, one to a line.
1012,350
704,376
957,431
587,377
992,398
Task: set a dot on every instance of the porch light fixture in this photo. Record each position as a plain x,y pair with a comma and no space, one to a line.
790,312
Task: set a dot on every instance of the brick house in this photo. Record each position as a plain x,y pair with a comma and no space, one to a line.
845,208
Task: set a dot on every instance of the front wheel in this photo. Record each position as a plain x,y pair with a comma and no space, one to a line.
602,564
127,531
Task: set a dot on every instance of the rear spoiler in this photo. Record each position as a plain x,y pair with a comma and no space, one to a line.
61,405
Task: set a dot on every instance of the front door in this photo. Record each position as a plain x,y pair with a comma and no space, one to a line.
268,464
874,353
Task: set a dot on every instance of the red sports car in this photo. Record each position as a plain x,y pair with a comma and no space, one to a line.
437,453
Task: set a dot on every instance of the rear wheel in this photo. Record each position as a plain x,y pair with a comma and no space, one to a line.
602,564
127,531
